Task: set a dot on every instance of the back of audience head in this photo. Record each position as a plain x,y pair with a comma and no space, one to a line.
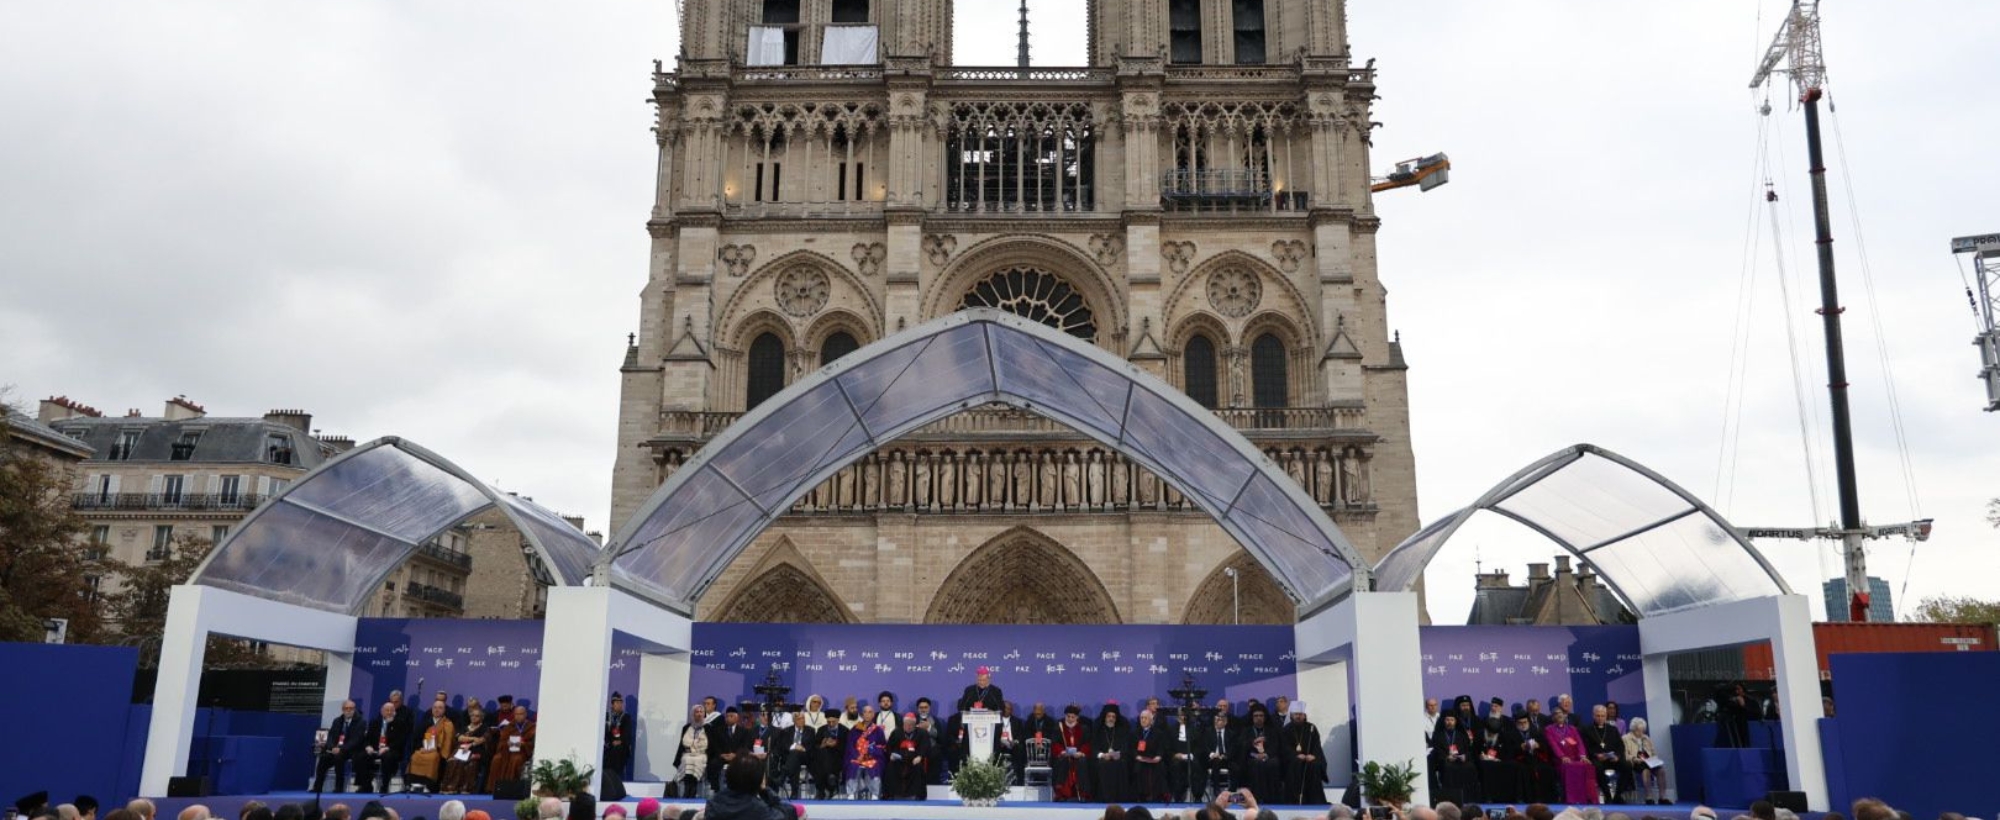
195,811
549,809
1448,810
582,806
743,777
1340,811
338,811
1869,808
143,807
259,813
451,810
1113,812
289,811
1540,811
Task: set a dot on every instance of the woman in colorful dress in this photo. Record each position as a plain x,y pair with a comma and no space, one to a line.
468,761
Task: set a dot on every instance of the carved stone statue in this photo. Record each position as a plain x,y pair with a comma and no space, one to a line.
921,466
897,483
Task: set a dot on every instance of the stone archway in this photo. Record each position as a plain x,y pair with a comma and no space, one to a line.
1262,600
1013,579
784,594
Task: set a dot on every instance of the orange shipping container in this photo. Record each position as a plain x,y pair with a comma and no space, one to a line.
1840,638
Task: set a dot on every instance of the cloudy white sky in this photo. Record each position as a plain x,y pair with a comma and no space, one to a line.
425,219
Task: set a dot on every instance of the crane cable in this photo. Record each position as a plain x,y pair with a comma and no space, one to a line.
1911,498
1729,448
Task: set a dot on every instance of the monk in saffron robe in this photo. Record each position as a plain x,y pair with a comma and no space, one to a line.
427,763
513,747
1579,778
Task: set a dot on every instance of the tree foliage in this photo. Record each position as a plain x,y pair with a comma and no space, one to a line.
43,562
1957,609
140,607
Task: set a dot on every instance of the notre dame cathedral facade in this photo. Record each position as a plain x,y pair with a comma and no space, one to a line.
1196,199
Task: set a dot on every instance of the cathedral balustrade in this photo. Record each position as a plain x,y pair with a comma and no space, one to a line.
1255,422
808,73
804,210
1012,74
915,477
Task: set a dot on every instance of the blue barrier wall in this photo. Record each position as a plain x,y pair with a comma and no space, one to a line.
66,706
1896,736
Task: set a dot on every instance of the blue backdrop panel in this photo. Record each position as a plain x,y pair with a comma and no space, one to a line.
1893,701
1088,665
1593,664
1053,664
66,706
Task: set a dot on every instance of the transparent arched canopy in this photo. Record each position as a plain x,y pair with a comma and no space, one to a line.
328,540
1653,543
712,507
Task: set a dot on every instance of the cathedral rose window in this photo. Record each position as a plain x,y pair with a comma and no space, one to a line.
1034,294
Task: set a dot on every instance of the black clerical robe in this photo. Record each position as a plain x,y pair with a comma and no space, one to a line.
1501,778
1452,751
1111,762
909,753
1305,777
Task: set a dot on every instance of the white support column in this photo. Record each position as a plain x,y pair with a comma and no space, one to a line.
1660,713
1785,621
1377,633
663,712
182,647
1797,664
576,678
1323,687
193,614
339,678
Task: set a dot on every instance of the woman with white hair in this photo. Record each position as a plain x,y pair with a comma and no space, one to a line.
1649,767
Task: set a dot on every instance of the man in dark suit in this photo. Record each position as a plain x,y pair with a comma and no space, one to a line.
620,730
791,750
1216,752
749,740
982,694
385,747
344,737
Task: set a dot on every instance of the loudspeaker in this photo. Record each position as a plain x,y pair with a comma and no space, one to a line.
187,787
511,790
1796,801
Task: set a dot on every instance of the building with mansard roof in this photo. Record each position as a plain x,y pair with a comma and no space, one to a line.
1195,200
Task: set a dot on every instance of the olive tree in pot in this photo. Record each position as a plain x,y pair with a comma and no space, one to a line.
980,783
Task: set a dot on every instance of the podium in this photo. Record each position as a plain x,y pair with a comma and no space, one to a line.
982,732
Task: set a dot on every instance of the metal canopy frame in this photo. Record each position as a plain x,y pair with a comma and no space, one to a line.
1629,532
709,510
300,546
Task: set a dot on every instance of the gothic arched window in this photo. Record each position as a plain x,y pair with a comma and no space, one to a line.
1268,384
765,375
1198,370
1035,294
837,345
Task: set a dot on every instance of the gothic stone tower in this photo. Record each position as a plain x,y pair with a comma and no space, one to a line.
1195,200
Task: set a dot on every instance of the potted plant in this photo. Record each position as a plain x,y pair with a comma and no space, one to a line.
980,783
1389,785
526,808
561,778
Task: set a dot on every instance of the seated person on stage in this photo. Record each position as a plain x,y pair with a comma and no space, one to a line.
388,743
1579,778
862,760
850,713
754,740
1539,783
1497,740
1070,767
1649,769
438,740
1451,755
691,761
790,751
1265,756
1305,781
1111,769
928,720
1605,747
513,747
344,739
1222,708
467,763
910,750
825,761
1008,750
1151,745
1216,752
1183,770
729,734
981,694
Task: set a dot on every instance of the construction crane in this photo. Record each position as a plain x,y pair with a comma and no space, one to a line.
1424,172
1985,250
1796,51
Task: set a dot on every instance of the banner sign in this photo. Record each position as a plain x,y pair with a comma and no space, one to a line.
1056,665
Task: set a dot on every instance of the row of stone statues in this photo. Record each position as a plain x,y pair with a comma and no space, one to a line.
1078,479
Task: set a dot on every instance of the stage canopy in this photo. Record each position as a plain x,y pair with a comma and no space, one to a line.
327,541
1654,544
712,507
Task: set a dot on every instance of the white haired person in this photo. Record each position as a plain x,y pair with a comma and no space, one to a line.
1650,770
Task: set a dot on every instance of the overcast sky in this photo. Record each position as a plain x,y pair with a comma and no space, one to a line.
426,219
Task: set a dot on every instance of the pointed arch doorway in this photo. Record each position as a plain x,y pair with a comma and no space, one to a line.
1022,577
